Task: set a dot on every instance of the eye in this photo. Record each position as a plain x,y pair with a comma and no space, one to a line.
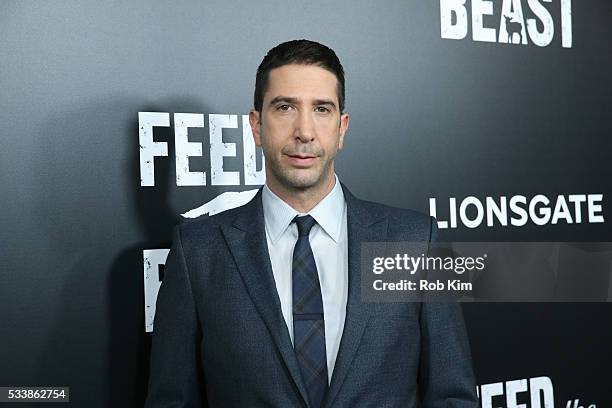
322,109
284,108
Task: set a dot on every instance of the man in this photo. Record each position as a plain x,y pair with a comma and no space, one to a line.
260,305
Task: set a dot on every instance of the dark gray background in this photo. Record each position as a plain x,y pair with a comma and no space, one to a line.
430,118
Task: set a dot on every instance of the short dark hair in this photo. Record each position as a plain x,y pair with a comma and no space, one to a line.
298,52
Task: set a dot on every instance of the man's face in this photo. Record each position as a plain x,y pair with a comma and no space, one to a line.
300,127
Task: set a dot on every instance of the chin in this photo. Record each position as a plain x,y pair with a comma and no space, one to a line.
302,181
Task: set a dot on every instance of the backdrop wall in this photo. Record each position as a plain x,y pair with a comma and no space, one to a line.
442,107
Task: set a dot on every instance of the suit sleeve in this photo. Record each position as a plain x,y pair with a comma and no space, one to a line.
446,378
175,378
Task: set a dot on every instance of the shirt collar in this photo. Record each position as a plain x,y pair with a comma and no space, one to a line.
327,213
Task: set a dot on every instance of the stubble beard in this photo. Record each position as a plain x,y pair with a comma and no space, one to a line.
296,179
299,180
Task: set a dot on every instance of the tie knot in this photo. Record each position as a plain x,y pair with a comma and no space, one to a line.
304,224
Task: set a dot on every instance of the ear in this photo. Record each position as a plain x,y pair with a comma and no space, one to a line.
344,124
255,122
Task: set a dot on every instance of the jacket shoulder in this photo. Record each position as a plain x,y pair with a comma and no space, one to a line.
403,222
403,215
205,227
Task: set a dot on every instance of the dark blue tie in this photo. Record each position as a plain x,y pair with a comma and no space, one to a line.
308,321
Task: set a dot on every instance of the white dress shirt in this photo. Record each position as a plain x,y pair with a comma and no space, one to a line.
329,242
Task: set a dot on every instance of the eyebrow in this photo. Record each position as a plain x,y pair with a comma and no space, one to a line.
290,99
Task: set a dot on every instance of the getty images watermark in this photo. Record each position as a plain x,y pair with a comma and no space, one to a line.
486,271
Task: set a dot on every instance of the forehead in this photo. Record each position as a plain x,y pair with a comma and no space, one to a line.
301,81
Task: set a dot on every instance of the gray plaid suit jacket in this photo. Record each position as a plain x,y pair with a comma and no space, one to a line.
220,339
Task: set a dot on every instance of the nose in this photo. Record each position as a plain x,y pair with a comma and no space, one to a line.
304,127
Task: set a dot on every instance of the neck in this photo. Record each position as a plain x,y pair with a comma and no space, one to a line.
303,199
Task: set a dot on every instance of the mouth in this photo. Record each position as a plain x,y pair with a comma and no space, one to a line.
301,160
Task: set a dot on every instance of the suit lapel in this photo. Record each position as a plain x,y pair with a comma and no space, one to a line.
362,226
246,238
